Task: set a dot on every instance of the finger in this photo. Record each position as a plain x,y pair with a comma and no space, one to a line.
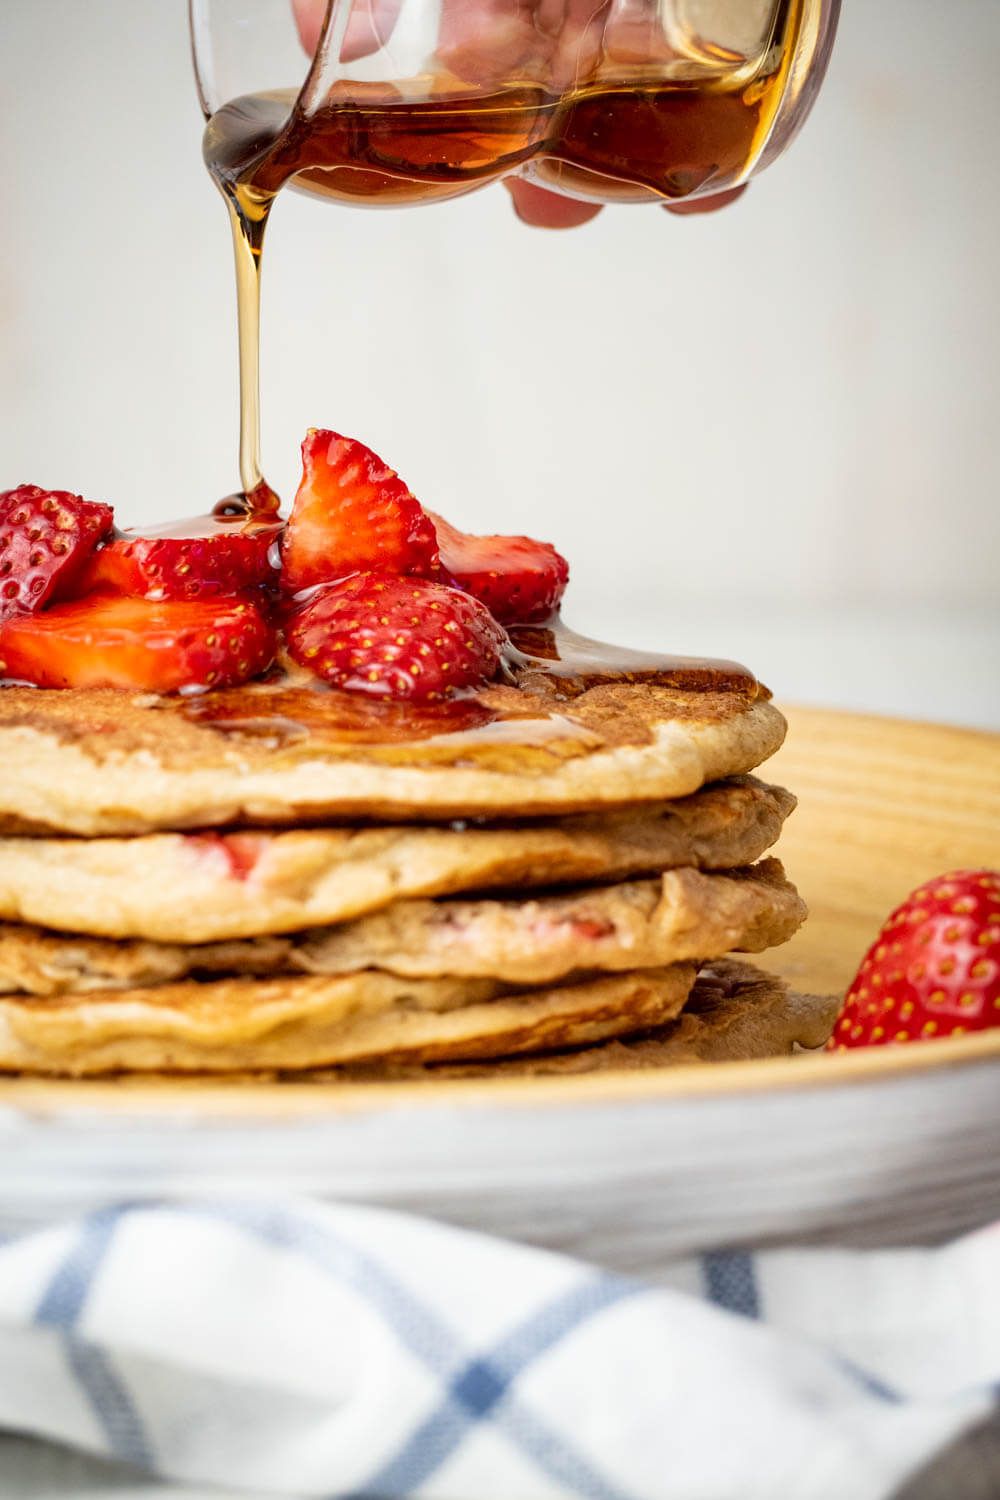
634,32
309,18
369,26
706,205
554,43
491,41
544,210
579,42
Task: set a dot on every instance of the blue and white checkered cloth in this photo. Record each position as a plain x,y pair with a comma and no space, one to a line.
291,1348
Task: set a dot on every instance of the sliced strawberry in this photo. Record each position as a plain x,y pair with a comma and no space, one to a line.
46,537
933,970
396,637
217,558
520,581
352,513
138,643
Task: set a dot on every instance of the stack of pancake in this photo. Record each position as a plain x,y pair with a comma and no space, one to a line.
282,879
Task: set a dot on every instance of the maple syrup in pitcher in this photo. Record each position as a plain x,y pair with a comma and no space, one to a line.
649,131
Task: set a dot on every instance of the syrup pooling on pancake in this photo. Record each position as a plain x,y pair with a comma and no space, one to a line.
288,707
553,649
548,667
102,762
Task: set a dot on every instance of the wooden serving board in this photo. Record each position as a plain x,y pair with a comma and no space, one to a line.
884,805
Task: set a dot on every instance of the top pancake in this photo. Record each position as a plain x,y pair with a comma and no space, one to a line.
105,761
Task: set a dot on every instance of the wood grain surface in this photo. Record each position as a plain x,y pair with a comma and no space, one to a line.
883,806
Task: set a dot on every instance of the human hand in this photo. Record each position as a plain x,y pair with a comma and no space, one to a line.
492,39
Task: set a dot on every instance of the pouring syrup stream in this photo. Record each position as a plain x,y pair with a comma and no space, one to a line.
680,126
248,213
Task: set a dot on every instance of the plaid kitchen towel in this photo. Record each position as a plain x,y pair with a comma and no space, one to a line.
287,1348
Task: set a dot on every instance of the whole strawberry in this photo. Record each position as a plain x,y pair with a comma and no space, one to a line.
396,637
933,970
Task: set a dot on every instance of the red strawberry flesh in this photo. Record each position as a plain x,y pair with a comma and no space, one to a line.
241,851
352,513
46,538
933,970
396,637
520,581
138,643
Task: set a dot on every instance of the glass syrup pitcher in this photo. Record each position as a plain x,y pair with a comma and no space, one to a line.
387,103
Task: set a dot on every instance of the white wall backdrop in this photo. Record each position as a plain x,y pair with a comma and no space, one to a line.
773,433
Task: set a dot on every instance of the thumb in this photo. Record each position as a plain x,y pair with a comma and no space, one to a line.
309,18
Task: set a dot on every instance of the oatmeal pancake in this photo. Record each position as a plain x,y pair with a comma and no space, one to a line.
734,1013
103,761
200,888
35,961
633,925
296,1022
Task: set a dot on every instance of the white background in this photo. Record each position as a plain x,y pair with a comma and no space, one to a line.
771,434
